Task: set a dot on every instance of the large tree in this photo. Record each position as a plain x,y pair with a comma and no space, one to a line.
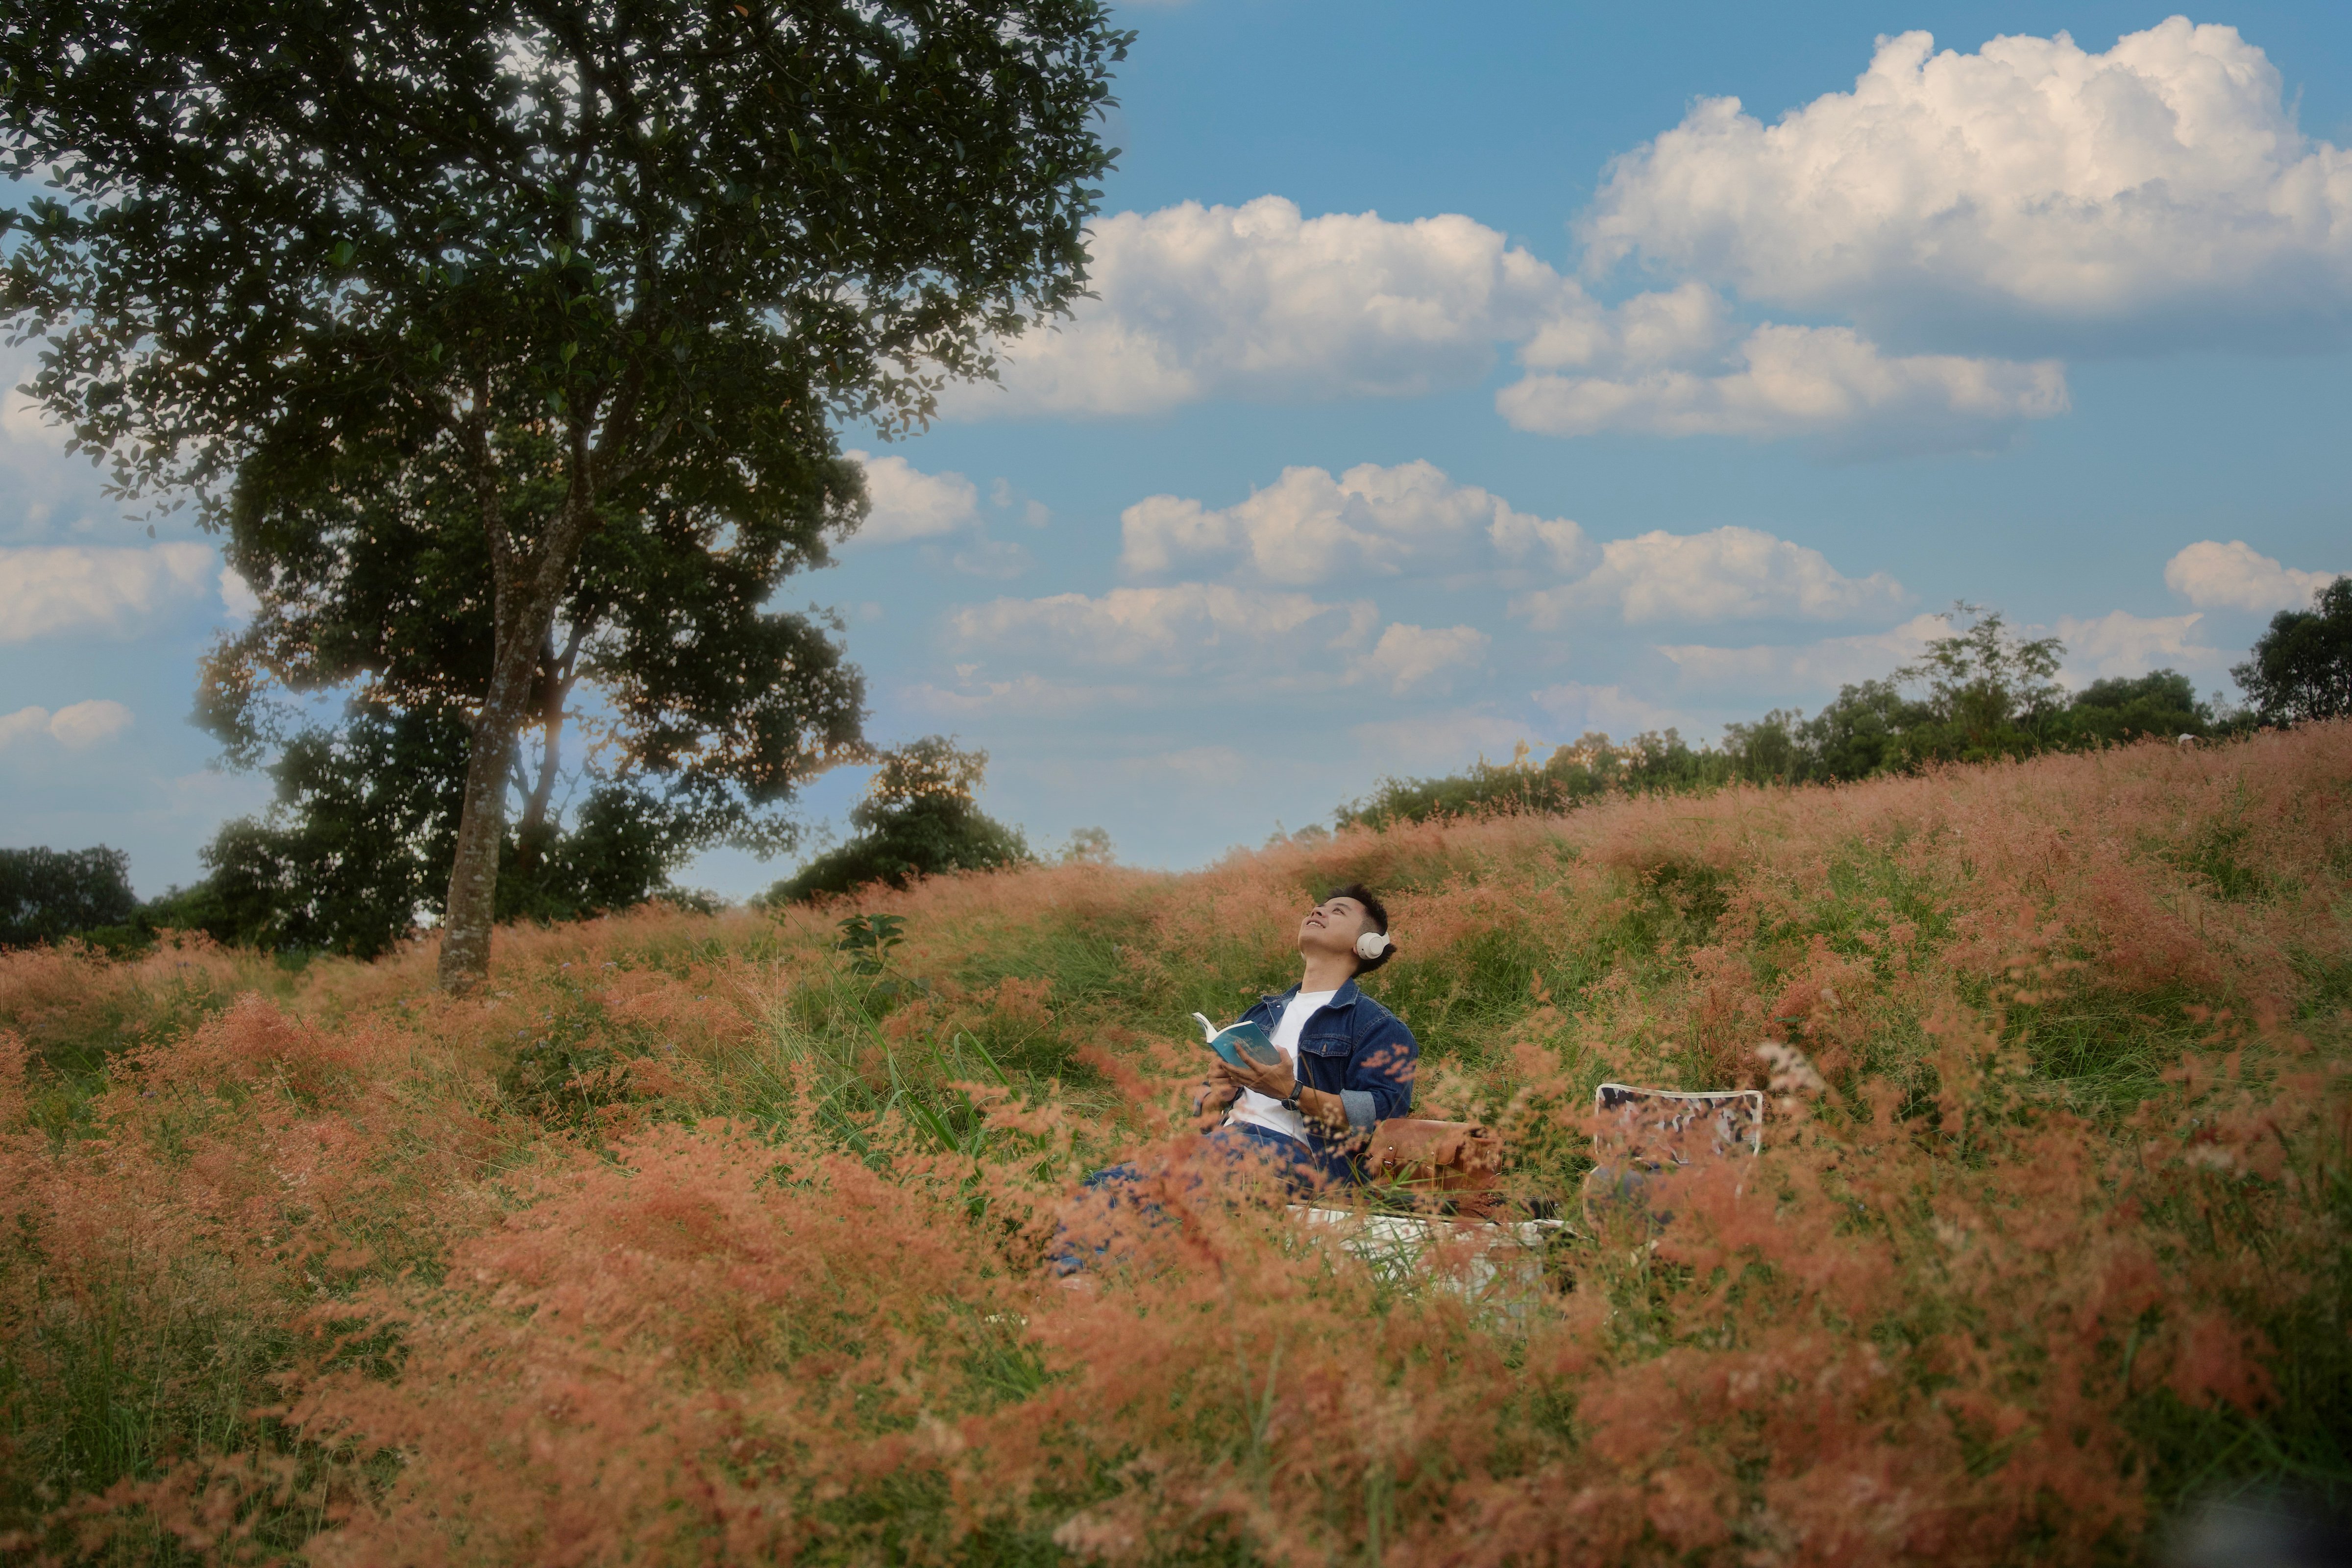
704,708
2302,667
587,267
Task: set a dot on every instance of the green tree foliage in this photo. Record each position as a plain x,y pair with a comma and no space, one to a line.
1984,693
350,858
1988,693
366,812
47,894
597,276
1088,846
2160,704
1858,735
707,708
1591,768
2302,666
918,818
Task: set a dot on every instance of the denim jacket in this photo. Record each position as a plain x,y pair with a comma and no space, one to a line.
1353,1047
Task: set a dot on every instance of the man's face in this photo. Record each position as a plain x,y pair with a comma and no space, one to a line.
1332,927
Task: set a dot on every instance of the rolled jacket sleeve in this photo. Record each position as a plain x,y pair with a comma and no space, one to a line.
1379,1074
1357,1050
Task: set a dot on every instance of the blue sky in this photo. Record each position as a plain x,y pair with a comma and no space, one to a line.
1463,376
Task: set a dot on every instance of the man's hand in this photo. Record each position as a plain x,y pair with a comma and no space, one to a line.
1275,1082
1216,1093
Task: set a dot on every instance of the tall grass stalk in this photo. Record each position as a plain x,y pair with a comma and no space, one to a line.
696,1236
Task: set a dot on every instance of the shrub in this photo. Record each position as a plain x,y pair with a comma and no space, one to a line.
1588,770
918,818
2161,704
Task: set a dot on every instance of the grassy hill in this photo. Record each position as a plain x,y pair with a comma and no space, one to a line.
701,1237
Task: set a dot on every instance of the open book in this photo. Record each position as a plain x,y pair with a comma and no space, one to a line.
1245,1044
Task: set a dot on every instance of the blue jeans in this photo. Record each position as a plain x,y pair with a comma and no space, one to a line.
1304,1171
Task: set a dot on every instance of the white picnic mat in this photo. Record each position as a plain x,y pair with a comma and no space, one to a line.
1491,1261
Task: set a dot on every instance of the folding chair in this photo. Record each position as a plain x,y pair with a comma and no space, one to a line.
1641,1136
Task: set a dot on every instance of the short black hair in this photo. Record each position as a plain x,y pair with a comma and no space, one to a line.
1377,911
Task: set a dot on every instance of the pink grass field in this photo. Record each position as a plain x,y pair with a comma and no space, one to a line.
643,1257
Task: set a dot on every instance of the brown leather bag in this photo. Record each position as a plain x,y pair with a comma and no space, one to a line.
1456,1162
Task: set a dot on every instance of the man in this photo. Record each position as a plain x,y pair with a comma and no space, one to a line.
1346,1061
1347,1065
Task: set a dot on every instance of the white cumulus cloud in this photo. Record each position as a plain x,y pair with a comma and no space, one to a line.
1776,382
2162,183
1610,709
1726,574
994,558
908,503
1173,631
1307,526
1821,666
1408,656
941,513
237,596
2236,576
2120,643
44,492
77,727
1194,766
1030,696
1260,302
1434,740
53,590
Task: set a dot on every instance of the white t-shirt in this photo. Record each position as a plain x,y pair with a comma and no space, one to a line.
1264,1109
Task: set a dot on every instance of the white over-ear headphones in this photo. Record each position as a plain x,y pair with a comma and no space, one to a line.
1372,944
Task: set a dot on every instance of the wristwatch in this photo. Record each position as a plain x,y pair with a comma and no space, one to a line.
1297,1087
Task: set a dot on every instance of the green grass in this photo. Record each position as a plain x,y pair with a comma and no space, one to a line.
114,1384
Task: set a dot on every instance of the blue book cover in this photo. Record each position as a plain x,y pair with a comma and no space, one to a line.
1243,1040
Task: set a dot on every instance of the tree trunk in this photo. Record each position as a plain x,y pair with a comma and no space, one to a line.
555,678
472,904
527,589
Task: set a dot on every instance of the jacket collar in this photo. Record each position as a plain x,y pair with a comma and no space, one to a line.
1343,998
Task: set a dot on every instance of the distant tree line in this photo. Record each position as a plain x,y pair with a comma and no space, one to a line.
1978,695
352,851
366,809
46,895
